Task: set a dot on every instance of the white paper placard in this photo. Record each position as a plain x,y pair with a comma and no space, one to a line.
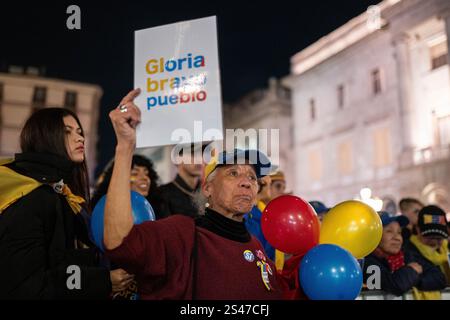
177,68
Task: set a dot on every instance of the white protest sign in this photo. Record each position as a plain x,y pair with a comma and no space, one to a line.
177,68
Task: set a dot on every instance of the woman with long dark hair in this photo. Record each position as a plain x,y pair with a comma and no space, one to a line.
44,208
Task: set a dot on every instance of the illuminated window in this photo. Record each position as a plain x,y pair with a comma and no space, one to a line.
382,147
438,55
315,165
39,97
340,96
312,109
444,131
376,81
70,100
345,158
1,101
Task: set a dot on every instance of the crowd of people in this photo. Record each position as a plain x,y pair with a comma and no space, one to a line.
413,254
206,241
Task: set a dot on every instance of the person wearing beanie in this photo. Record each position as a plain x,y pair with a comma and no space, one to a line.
430,248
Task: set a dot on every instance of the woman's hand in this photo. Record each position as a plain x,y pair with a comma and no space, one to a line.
125,118
120,279
417,267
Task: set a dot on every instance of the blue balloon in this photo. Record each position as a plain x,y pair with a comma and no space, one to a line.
329,272
141,209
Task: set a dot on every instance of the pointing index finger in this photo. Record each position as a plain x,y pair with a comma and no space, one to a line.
131,96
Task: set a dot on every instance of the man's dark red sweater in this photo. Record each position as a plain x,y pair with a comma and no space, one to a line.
228,263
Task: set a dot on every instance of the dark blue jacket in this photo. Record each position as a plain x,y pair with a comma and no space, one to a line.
398,282
253,224
402,280
432,277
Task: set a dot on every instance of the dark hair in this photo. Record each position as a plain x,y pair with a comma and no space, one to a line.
406,203
44,132
153,197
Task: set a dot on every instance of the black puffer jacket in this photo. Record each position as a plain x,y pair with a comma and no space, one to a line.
37,240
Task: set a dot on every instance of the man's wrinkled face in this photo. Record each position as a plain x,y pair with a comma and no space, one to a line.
233,189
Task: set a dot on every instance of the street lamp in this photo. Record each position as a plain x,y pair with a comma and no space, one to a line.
366,197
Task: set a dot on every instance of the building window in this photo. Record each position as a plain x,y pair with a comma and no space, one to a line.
382,148
345,156
376,81
340,96
438,55
39,97
312,109
444,131
315,165
70,100
1,102
292,135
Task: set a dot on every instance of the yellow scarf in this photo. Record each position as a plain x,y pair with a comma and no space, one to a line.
279,256
14,186
438,258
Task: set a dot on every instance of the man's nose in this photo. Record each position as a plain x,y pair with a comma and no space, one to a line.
245,182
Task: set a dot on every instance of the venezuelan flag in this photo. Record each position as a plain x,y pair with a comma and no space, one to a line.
434,219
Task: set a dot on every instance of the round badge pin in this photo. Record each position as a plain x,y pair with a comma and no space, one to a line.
249,256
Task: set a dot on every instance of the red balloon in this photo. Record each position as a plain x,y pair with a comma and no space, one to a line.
290,224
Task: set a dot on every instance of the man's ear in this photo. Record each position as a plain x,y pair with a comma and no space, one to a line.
207,189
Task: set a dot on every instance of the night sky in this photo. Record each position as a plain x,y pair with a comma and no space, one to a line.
256,41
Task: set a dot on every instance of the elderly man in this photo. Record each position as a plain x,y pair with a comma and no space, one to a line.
212,257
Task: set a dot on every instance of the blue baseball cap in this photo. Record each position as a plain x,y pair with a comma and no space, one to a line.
386,219
261,163
319,207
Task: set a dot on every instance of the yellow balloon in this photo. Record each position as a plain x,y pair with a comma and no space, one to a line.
354,226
